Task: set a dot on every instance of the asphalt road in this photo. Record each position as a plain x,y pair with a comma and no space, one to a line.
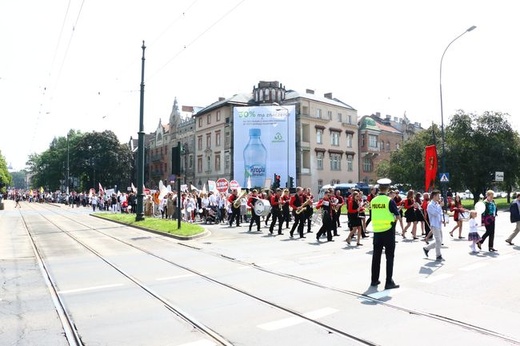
123,286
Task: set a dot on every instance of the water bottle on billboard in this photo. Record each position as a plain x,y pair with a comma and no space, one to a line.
255,157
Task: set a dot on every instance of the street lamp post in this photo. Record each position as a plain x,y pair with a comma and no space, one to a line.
139,216
443,155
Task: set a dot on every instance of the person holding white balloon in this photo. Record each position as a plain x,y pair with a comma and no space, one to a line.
488,220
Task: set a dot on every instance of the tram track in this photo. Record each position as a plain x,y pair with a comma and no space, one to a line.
329,328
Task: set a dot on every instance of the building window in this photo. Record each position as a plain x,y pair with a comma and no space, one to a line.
362,140
217,162
340,117
306,133
319,136
217,138
397,146
349,119
388,146
318,113
382,145
306,159
208,140
334,138
199,142
208,163
329,115
190,162
350,139
227,140
208,119
227,161
320,184
367,164
319,160
350,163
218,115
200,121
335,162
372,141
199,164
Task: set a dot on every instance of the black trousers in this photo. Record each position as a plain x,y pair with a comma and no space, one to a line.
254,219
235,215
384,240
299,222
490,232
326,226
277,216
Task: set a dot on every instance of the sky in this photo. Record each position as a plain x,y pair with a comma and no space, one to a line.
76,64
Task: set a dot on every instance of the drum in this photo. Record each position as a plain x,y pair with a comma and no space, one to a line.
262,207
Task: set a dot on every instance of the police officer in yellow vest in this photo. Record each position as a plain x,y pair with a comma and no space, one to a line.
384,215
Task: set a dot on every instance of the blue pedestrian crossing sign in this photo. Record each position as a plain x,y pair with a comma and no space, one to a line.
444,177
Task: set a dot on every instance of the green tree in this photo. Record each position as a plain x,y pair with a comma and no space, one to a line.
91,159
5,177
477,147
407,163
19,179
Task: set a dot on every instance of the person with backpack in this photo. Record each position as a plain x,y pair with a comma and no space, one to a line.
514,209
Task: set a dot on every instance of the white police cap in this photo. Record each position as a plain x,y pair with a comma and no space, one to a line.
384,181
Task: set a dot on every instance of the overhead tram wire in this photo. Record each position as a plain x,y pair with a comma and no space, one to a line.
51,90
126,92
195,39
50,73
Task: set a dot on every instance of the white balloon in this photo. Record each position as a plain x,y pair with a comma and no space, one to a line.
480,207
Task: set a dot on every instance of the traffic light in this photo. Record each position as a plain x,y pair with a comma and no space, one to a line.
176,160
291,182
276,183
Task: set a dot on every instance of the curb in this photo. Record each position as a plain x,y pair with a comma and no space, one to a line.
178,237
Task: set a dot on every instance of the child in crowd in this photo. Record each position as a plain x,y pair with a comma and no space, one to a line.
473,235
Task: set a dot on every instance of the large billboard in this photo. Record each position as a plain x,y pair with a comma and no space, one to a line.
264,145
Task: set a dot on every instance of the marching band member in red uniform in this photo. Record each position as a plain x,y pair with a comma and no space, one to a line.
325,206
251,204
276,211
296,203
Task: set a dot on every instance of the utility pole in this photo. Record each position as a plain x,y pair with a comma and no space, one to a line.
140,150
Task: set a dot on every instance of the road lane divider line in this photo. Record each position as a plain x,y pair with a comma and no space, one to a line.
435,278
93,288
474,266
292,321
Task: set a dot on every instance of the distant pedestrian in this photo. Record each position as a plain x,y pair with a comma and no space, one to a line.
514,209
473,235
488,219
435,214
17,199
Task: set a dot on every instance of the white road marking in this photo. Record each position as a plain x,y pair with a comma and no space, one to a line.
199,343
474,266
436,278
382,294
180,276
90,288
292,321
503,257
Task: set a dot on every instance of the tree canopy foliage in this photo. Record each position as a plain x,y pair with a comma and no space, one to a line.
5,176
476,147
91,159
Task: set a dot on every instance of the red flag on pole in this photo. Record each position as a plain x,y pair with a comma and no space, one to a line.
430,166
